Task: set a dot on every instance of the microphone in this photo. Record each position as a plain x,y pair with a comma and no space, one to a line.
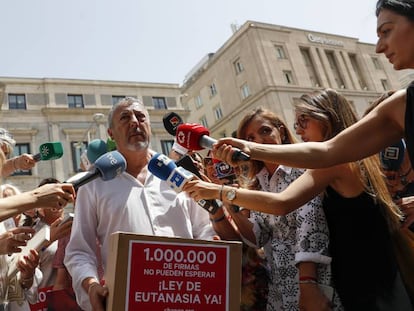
49,151
96,148
196,137
107,166
392,157
171,121
110,144
176,177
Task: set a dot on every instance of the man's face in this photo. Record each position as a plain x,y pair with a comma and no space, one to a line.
130,127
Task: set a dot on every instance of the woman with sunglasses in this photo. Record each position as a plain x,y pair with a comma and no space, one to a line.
295,245
392,120
357,205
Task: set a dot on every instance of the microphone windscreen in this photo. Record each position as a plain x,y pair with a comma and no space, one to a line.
110,145
96,148
171,121
161,166
392,157
110,165
50,151
189,135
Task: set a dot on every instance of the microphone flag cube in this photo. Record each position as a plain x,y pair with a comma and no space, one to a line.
49,151
189,135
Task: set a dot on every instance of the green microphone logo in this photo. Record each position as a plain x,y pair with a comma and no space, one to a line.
49,151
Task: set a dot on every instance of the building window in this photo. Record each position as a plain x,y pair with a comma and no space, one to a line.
78,148
198,102
75,101
376,63
116,99
335,69
385,84
358,71
217,112
159,103
17,101
238,66
280,52
213,89
288,76
203,121
19,149
166,146
310,67
245,91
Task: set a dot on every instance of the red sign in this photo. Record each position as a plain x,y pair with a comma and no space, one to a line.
171,276
41,304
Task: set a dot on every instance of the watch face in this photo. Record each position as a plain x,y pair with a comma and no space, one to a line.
231,194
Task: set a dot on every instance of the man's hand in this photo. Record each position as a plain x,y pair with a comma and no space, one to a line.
97,296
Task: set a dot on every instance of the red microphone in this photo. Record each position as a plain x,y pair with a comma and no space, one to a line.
196,137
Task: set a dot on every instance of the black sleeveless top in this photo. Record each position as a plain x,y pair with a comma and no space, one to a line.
363,263
409,122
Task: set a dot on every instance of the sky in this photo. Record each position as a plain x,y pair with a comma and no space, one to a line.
151,40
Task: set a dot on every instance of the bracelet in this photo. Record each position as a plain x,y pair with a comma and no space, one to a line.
308,278
94,284
14,163
308,282
218,219
221,192
26,282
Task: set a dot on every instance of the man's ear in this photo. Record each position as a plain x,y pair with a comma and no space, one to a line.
109,131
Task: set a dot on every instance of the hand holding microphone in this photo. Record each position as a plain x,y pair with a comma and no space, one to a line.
176,177
49,151
196,137
107,167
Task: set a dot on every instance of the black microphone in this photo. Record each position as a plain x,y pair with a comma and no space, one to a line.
107,166
171,121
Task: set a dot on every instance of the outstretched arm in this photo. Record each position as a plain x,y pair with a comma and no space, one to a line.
302,190
46,196
382,127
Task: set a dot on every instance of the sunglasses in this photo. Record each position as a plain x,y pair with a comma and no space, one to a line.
301,121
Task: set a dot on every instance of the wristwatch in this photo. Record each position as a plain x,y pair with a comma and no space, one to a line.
231,194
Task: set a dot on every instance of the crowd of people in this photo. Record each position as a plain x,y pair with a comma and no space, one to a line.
321,221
